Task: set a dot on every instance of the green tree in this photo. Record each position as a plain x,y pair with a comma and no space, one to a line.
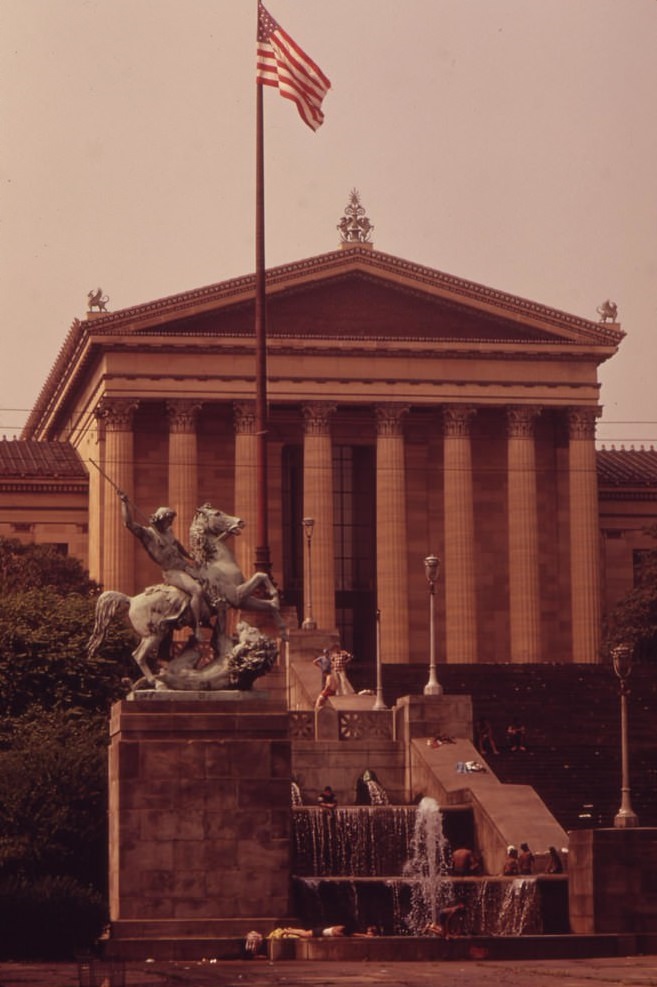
634,618
37,566
53,796
43,659
54,701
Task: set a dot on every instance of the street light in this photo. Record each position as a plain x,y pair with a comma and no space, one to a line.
622,656
432,570
378,702
309,624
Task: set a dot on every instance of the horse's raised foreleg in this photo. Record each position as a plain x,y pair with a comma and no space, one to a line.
257,603
247,601
249,586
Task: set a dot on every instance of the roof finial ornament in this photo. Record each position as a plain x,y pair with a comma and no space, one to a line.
355,227
96,299
608,310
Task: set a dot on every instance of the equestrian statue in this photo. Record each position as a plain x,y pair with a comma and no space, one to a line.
199,586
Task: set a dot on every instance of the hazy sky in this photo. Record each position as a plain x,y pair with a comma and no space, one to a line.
509,142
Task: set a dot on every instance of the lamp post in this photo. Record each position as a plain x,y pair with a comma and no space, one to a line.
309,624
622,656
378,702
432,570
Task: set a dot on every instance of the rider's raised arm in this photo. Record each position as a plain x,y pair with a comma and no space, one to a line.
126,514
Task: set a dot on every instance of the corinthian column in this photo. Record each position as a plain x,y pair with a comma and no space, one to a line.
246,483
318,504
460,595
391,574
183,463
117,570
584,536
524,600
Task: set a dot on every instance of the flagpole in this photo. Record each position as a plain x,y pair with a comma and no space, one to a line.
262,559
283,64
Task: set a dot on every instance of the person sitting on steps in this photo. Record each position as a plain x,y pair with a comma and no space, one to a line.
515,733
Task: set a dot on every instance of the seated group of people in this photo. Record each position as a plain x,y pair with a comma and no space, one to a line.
518,862
516,733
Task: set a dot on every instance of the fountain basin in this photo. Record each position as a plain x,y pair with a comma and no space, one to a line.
494,906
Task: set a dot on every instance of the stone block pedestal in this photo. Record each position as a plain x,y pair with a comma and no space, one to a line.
199,820
612,880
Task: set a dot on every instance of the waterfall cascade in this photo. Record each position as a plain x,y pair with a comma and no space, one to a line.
358,841
390,866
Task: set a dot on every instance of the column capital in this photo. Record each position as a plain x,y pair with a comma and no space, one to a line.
520,420
244,417
317,416
389,418
457,418
116,413
182,414
581,422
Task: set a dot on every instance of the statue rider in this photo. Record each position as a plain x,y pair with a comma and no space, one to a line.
178,567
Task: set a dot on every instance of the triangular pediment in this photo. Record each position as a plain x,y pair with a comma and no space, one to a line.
360,293
356,294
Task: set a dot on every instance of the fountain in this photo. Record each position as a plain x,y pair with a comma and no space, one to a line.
428,868
354,841
295,793
370,791
391,866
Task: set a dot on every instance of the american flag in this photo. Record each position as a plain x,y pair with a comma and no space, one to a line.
283,64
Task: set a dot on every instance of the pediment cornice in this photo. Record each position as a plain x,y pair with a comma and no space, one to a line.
176,314
384,267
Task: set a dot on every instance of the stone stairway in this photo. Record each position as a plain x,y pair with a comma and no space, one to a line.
572,717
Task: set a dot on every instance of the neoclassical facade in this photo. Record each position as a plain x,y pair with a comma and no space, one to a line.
410,413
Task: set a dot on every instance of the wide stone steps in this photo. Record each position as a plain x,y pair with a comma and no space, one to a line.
572,716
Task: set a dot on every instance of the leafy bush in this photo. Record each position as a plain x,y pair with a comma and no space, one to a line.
36,566
53,796
43,659
53,720
50,918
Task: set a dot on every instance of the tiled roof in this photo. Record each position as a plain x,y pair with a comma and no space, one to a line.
26,457
627,467
47,460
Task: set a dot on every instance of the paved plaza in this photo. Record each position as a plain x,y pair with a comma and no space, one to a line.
625,971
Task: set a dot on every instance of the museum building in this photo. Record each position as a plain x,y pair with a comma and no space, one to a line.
410,413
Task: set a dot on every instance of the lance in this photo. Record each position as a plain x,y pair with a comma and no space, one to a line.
120,492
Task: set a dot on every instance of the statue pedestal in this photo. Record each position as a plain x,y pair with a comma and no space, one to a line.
199,821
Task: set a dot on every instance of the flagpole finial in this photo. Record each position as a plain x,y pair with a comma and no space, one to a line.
355,227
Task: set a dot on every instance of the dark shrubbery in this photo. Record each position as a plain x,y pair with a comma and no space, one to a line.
53,796
54,702
49,918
